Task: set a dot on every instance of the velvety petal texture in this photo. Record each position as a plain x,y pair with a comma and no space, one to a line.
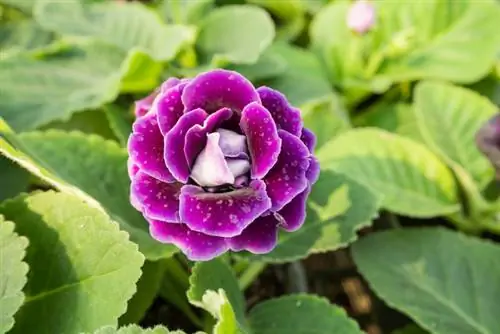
216,165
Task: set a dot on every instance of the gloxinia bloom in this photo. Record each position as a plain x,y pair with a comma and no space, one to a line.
218,165
488,141
361,16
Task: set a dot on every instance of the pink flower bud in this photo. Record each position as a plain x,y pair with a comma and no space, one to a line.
361,16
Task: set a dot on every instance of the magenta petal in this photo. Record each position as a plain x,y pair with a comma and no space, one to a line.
259,237
288,177
286,117
309,139
264,144
219,88
145,145
223,214
158,200
196,246
293,214
169,107
313,170
169,83
175,140
196,137
132,168
142,106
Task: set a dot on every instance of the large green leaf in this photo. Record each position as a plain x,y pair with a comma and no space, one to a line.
338,207
411,40
134,329
300,314
90,167
13,179
82,268
24,5
185,11
218,305
237,33
445,281
13,273
125,25
22,36
449,118
411,179
36,92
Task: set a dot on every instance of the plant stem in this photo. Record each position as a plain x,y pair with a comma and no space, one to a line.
250,274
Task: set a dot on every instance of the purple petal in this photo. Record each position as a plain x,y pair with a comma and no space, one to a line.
169,107
142,106
313,170
286,117
293,214
196,246
174,144
259,237
145,146
232,144
132,168
219,88
158,200
264,144
288,177
309,139
196,137
223,214
169,83
210,168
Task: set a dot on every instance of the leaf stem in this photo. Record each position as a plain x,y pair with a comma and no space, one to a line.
250,274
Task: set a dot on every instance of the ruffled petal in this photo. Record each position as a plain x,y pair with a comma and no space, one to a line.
288,177
169,83
259,237
232,144
196,137
174,144
210,168
132,168
264,144
309,139
196,246
168,105
145,146
293,215
313,170
142,106
286,117
219,88
223,214
157,199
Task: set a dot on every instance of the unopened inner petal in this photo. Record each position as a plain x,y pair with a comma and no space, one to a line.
238,167
232,144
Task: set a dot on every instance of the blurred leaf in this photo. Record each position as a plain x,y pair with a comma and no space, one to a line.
94,272
442,274
304,80
269,65
411,179
22,36
411,40
238,34
338,207
13,273
119,123
147,290
489,87
300,314
36,92
185,11
449,118
89,167
142,73
134,329
127,25
410,329
13,179
24,5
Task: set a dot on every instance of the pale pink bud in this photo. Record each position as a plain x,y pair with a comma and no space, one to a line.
361,16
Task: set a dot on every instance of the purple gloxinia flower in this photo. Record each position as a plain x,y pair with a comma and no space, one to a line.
361,16
488,142
218,165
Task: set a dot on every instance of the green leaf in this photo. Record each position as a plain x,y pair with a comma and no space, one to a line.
215,275
13,179
147,290
82,268
411,179
450,281
13,274
134,329
78,79
142,73
24,5
269,65
217,304
21,37
119,123
129,26
449,118
410,329
185,11
411,40
338,207
302,67
236,33
300,314
91,168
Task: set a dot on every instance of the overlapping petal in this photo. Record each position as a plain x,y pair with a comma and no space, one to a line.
168,105
223,214
293,215
259,237
309,139
286,117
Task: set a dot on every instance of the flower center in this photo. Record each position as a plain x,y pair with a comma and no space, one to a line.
222,162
